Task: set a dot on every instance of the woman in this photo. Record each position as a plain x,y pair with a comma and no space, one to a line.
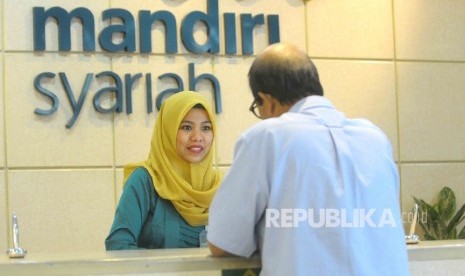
165,199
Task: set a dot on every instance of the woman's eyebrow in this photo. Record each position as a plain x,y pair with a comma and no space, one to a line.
190,122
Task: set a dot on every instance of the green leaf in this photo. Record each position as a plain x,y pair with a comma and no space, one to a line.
429,237
457,219
461,235
432,215
432,226
438,230
426,229
452,235
446,204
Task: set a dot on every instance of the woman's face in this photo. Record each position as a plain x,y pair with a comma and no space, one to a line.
195,136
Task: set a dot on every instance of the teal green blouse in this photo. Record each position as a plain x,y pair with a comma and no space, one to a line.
145,220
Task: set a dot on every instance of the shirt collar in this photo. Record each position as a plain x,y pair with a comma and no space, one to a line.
311,102
320,108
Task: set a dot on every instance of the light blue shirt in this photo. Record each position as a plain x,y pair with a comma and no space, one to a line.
315,193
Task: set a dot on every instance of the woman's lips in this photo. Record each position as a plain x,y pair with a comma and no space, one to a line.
195,148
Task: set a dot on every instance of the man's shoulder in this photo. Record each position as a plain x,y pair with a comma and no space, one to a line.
361,122
266,126
365,124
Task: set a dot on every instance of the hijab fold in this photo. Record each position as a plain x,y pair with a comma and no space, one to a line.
189,186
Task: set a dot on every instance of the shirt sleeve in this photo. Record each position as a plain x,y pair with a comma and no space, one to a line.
240,202
131,212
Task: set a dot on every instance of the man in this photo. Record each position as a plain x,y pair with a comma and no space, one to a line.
315,193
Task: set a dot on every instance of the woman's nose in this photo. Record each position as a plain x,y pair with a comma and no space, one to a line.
196,135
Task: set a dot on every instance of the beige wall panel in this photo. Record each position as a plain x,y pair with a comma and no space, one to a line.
431,30
133,132
363,89
431,111
34,140
64,210
1,24
350,29
19,31
2,115
4,215
425,181
291,19
119,185
237,98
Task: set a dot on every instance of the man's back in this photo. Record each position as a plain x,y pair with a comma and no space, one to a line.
333,196
329,189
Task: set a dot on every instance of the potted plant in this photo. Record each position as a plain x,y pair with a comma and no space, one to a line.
442,220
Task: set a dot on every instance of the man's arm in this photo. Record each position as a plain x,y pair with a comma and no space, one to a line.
218,252
232,219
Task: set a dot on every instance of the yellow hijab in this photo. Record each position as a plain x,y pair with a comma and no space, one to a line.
189,186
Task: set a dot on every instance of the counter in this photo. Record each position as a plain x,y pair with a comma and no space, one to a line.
426,258
192,261
437,258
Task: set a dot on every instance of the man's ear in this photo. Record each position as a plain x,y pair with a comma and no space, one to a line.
267,97
269,105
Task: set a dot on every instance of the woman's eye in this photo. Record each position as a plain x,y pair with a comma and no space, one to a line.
186,127
206,128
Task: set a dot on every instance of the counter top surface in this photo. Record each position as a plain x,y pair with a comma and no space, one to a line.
437,250
176,260
122,262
